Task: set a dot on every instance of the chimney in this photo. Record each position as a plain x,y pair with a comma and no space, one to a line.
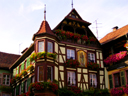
115,28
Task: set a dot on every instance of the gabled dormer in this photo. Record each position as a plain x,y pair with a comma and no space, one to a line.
78,28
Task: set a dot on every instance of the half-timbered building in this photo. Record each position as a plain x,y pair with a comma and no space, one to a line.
70,54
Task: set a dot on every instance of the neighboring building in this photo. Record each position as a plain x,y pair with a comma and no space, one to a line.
6,60
64,40
115,56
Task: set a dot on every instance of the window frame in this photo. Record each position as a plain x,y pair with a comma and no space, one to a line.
6,79
70,53
73,71
39,45
52,73
94,54
52,51
115,79
96,80
25,85
38,73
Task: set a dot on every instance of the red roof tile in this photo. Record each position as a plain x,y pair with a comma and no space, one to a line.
114,35
45,28
7,59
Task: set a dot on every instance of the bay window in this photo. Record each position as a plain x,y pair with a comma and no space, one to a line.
71,78
40,73
50,47
91,57
93,80
70,54
49,73
40,46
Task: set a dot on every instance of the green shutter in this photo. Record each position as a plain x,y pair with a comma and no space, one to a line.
28,61
17,90
14,72
122,78
110,81
18,70
28,83
22,87
22,66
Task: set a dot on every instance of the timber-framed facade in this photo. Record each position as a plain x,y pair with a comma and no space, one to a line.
66,41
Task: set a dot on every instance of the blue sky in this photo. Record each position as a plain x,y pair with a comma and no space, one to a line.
20,19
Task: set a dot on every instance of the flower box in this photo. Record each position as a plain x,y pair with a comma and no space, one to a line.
92,65
72,63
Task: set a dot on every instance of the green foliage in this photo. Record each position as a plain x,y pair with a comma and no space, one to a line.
7,89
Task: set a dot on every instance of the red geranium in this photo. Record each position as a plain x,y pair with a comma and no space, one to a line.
84,37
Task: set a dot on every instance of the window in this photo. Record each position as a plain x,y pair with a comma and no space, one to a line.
1,78
40,46
93,80
50,73
15,91
91,57
71,78
25,89
3,94
73,16
40,73
50,47
20,89
127,76
19,69
70,54
6,79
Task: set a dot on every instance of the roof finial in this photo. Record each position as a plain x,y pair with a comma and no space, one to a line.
44,12
72,4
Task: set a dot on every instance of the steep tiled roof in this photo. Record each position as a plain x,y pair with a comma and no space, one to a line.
45,28
6,59
114,35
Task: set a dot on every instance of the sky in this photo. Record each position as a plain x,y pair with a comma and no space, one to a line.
20,19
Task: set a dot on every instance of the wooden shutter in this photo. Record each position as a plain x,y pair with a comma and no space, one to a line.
18,70
22,66
14,72
122,78
17,90
1,76
110,81
28,61
22,87
28,83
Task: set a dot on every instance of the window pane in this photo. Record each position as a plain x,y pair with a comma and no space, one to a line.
41,46
49,73
71,78
70,54
93,80
91,57
50,47
40,73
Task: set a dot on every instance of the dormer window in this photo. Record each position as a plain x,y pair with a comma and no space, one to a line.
50,47
40,46
73,16
70,54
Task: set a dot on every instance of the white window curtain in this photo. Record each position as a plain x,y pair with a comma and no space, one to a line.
40,46
91,57
93,80
70,54
71,78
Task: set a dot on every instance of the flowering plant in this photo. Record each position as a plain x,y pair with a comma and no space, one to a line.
92,65
117,91
69,34
13,80
77,36
23,73
126,45
72,63
75,89
18,77
30,67
84,37
115,57
39,86
39,55
92,39
53,55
